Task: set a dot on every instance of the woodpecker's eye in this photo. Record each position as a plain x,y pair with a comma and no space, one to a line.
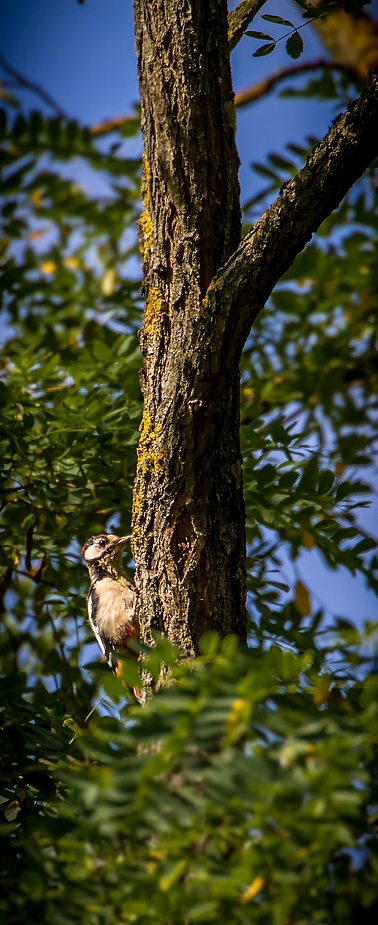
96,541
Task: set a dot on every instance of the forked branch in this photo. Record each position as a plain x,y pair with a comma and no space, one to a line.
239,291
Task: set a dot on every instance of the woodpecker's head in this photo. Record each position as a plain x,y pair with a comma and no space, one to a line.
104,552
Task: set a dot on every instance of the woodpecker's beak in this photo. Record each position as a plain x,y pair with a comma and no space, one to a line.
122,541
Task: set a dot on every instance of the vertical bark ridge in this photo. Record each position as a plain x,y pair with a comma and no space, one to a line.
188,515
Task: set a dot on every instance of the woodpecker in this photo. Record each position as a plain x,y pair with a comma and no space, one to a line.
111,596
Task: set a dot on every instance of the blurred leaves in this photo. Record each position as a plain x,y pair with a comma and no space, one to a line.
250,780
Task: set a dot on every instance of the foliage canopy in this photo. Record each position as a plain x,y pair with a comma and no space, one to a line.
248,789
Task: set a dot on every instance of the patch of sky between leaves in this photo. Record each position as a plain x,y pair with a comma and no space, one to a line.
345,595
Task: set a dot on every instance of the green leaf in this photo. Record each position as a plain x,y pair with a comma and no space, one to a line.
326,481
278,20
264,50
265,475
365,545
209,643
5,395
259,35
294,45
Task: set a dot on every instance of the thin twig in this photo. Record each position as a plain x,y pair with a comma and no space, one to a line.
34,87
253,93
35,577
29,547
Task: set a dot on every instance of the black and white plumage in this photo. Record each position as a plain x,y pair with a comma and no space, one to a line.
111,596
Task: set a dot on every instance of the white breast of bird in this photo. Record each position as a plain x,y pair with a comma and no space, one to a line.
116,608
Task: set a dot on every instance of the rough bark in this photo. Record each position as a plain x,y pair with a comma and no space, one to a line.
188,516
203,290
240,18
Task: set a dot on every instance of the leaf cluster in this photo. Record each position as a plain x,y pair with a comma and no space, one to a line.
294,44
246,791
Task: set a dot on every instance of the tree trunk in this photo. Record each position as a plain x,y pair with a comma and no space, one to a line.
188,517
203,290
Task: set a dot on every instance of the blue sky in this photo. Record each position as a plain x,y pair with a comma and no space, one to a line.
83,55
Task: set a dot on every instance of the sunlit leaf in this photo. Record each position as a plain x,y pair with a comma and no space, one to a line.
302,599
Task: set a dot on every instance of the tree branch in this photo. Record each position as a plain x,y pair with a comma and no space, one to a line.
5,583
239,20
239,291
253,93
22,81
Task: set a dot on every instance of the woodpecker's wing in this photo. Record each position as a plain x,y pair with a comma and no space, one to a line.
105,645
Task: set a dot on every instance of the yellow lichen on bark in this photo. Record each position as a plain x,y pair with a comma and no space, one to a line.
155,313
147,453
138,535
150,456
146,180
207,299
146,234
145,224
150,452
